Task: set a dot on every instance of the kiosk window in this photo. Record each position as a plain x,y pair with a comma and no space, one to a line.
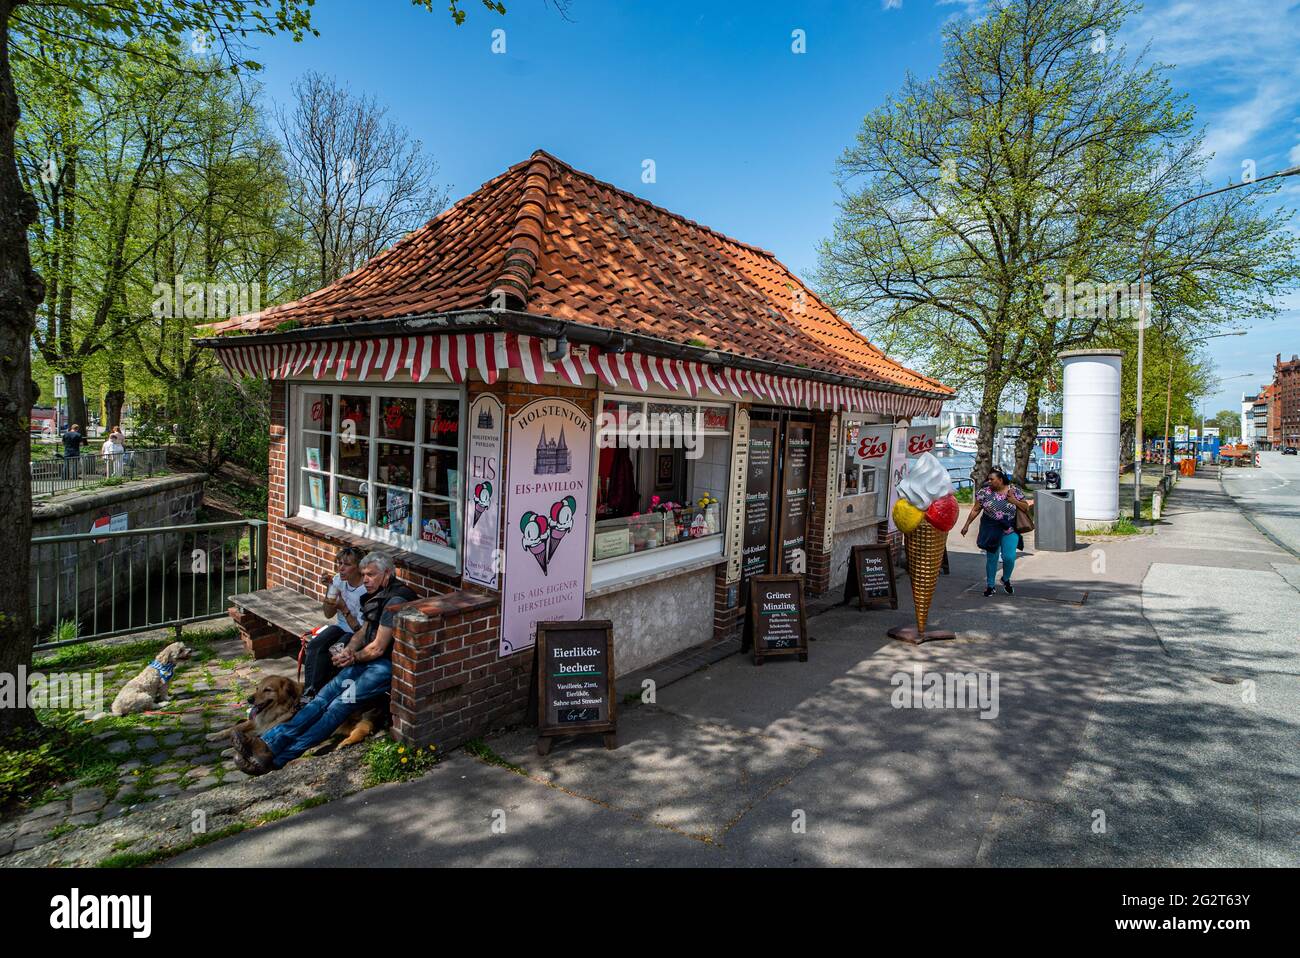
663,474
383,463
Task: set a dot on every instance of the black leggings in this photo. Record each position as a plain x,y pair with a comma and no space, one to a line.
317,667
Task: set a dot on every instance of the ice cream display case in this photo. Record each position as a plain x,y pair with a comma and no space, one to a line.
650,530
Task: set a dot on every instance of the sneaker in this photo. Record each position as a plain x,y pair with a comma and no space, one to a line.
989,591
1007,585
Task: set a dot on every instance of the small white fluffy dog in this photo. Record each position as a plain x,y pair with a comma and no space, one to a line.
149,688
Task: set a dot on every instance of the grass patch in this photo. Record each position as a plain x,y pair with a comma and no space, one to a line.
484,753
101,654
1122,526
138,859
389,761
65,631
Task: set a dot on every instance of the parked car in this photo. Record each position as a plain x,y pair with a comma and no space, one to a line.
1289,450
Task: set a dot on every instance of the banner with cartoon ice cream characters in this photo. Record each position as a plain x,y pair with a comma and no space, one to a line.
547,496
482,513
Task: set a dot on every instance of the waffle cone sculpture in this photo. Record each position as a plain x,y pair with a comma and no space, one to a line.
925,545
925,512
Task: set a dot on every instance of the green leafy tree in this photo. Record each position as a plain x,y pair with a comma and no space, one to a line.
1031,163
175,29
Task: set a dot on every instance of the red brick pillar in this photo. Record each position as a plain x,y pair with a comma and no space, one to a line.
261,639
449,684
726,606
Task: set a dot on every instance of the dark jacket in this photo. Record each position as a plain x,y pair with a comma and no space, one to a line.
72,442
375,609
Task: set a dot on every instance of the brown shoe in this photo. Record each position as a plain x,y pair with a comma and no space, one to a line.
251,757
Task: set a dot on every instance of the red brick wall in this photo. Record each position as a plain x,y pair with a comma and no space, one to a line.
726,621
449,685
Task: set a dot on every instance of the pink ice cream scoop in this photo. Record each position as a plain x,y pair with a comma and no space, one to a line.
561,522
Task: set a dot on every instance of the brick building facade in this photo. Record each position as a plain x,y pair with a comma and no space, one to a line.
1284,402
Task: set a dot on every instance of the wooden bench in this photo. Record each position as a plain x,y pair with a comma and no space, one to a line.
272,621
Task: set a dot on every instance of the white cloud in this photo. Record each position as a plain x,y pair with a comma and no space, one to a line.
1243,53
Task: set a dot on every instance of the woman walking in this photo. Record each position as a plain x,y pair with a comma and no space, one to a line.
996,503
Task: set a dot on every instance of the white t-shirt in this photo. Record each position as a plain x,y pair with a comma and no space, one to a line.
352,596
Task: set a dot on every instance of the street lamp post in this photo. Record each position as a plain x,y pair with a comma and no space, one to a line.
1142,319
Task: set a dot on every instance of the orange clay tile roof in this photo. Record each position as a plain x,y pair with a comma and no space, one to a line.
552,241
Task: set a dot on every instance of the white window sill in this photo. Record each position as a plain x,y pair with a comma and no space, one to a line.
437,553
638,568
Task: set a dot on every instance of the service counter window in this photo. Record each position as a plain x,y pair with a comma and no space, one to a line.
662,484
864,461
382,463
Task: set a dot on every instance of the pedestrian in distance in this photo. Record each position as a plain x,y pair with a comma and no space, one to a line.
73,440
114,451
996,503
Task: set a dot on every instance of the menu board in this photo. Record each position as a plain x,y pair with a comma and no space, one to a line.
574,667
796,474
776,624
759,480
871,576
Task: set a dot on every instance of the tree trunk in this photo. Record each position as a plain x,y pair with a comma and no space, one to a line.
988,426
21,292
115,396
1028,427
77,401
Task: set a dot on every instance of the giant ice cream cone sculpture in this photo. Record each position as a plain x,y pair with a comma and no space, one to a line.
925,512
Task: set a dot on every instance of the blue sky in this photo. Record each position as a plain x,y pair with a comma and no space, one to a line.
745,133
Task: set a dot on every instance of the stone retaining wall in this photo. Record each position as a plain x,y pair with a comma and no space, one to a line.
63,581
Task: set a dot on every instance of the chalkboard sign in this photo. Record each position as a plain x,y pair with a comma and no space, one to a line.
871,576
760,477
776,624
574,681
796,475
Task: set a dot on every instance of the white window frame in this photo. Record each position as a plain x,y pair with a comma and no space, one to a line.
449,555
882,472
636,565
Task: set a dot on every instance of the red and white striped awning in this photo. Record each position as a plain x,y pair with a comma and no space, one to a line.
380,358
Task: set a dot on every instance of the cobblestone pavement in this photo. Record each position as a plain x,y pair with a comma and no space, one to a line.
159,755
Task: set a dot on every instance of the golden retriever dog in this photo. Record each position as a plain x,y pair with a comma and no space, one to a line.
253,757
275,700
149,689
359,727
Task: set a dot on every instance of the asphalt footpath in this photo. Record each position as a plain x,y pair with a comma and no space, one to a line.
1145,712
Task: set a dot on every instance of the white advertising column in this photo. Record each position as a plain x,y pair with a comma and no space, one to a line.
1090,432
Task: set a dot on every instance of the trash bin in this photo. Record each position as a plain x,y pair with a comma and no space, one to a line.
1054,520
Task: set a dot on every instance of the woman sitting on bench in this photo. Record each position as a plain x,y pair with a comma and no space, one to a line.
343,601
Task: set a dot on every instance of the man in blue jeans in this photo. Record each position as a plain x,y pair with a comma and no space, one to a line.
367,671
